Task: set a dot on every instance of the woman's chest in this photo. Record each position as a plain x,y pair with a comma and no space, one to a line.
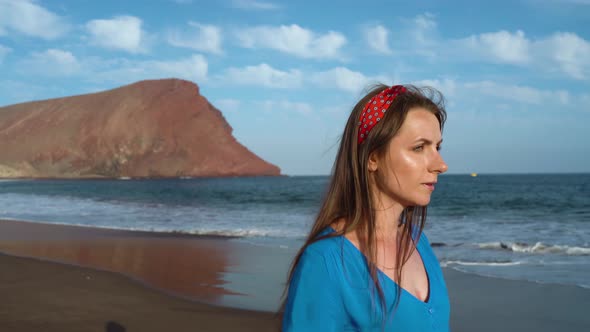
365,311
414,276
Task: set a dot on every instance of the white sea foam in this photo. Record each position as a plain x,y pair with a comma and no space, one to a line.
211,232
207,232
465,263
149,217
234,232
537,248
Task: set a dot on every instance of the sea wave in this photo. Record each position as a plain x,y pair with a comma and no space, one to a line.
235,233
466,263
229,233
537,248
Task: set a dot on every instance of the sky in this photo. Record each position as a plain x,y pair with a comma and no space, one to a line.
286,74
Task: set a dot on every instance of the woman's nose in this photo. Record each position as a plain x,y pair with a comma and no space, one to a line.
438,164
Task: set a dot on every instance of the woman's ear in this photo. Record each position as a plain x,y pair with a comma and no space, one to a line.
373,162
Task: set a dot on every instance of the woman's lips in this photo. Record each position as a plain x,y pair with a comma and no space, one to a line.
430,185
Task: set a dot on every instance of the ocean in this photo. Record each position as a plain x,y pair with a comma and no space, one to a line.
524,227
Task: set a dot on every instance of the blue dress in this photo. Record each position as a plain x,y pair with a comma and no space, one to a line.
331,291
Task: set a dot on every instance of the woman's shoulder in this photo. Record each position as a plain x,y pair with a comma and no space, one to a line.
325,254
327,243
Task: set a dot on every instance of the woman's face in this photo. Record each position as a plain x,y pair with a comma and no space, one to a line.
412,162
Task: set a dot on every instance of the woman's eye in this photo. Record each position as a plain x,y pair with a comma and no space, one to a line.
438,148
419,148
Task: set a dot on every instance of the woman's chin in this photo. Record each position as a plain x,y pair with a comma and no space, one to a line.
422,201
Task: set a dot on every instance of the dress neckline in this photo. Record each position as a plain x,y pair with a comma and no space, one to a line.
428,300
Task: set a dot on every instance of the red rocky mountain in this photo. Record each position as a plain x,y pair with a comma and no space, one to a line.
156,128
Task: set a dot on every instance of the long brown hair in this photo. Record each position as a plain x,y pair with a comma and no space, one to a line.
349,193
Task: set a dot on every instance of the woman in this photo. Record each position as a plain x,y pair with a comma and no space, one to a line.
366,266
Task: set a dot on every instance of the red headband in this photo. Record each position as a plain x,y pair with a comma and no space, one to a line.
375,110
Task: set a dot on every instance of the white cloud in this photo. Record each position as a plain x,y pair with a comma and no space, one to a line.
123,71
423,27
121,32
26,17
3,51
419,36
562,52
263,75
339,78
269,106
285,105
59,63
447,87
518,93
568,51
194,68
501,46
254,5
12,92
294,40
228,105
563,97
425,21
202,37
376,37
52,62
345,79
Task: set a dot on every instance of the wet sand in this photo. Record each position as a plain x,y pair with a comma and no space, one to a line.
179,264
491,304
69,278
44,296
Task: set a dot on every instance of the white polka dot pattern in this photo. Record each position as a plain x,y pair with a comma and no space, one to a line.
380,102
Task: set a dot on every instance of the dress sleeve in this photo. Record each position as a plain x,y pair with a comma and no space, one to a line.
313,301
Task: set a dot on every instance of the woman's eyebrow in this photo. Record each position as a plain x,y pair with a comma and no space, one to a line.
427,141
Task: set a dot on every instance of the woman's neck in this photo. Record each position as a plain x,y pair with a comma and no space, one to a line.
387,220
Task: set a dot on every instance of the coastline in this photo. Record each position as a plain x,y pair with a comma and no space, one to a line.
46,296
127,177
72,278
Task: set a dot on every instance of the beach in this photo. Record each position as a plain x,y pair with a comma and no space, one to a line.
71,278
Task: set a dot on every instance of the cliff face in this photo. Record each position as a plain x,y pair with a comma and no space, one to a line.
160,128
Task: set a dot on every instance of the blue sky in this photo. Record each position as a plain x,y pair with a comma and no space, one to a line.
515,74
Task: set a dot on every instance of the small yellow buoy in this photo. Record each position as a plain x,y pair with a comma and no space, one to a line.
473,174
